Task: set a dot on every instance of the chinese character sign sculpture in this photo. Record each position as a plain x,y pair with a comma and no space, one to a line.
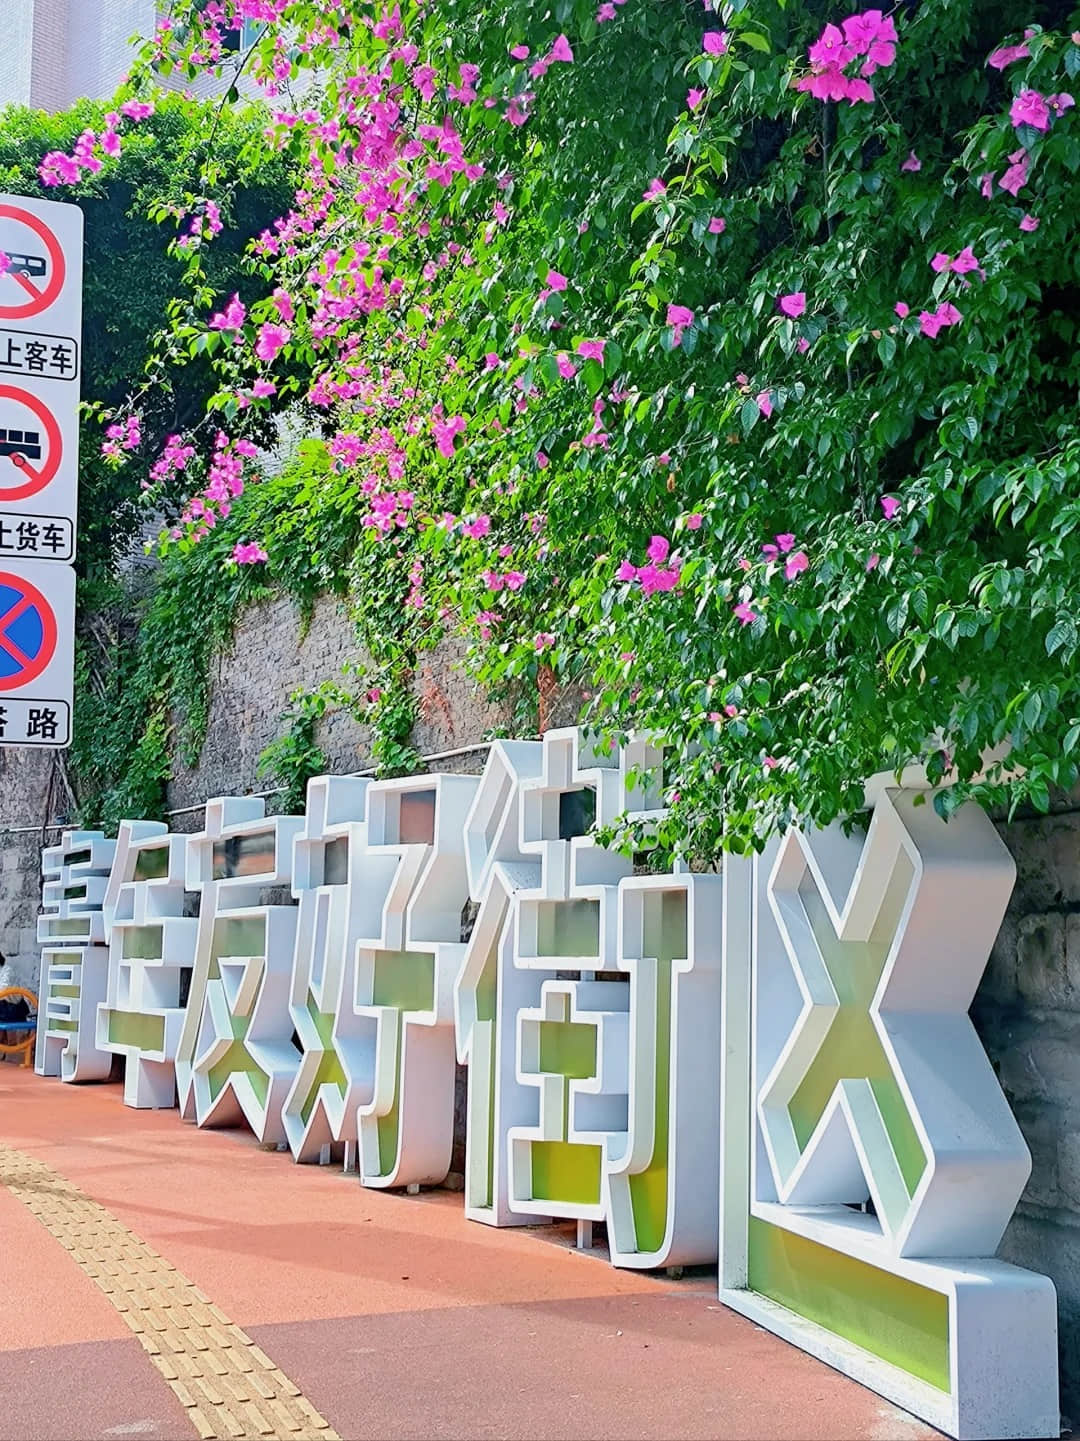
772,1063
882,1154
321,1106
589,1009
74,959
151,956
236,1060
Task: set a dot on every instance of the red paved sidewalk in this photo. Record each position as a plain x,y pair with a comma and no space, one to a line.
394,1315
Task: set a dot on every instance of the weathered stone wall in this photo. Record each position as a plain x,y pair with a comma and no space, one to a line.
272,656
27,803
1028,1014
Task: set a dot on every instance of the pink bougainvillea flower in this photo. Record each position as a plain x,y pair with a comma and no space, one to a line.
283,304
626,571
830,48
658,549
248,554
793,305
796,564
555,281
1030,108
693,522
932,322
1007,55
591,350
770,551
872,563
764,403
744,613
941,262
1029,223
656,189
514,579
694,97
1015,177
785,542
902,309
543,640
444,432
965,262
889,506
561,51
271,342
232,318
566,367
912,163
679,317
520,52
802,345
542,461
715,42
717,225
770,763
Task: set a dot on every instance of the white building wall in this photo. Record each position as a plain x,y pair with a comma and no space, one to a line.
16,53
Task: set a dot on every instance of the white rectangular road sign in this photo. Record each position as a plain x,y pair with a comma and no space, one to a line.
37,653
41,281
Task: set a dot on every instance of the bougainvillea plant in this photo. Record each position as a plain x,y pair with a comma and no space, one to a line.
719,361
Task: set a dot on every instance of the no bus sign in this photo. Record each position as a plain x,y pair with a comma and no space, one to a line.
41,248
41,279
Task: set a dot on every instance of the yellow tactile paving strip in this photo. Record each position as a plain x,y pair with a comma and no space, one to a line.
227,1385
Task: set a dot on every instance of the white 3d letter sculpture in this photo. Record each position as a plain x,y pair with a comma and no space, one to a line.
882,1154
236,1060
411,890
151,954
321,1107
595,1097
74,960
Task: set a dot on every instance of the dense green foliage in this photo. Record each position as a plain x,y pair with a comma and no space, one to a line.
858,524
131,276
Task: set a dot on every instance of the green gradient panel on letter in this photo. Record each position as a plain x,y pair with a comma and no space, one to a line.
568,1048
852,1048
143,943
405,979
238,1060
565,1172
329,1071
131,1028
895,1319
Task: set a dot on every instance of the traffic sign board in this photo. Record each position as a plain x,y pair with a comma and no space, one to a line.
37,653
40,334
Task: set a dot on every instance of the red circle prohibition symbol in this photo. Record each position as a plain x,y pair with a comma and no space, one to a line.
30,599
39,299
35,479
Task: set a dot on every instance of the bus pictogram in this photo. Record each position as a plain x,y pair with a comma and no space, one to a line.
36,265
30,452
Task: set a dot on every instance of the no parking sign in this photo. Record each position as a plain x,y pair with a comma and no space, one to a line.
41,276
37,627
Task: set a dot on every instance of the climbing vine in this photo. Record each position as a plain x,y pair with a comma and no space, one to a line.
740,393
